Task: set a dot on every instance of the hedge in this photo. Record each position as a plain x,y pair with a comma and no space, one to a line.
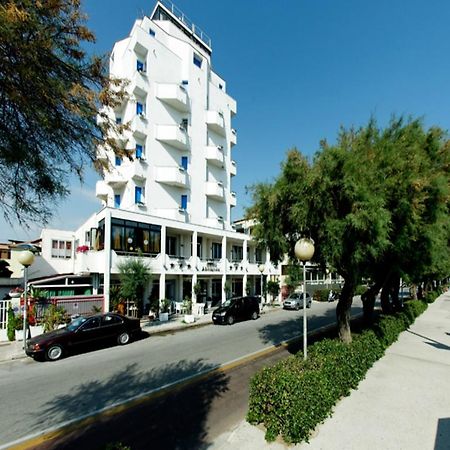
292,397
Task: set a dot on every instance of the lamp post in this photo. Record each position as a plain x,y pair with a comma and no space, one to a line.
26,258
261,268
304,251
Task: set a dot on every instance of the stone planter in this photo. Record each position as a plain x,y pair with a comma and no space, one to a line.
19,335
36,330
163,317
189,318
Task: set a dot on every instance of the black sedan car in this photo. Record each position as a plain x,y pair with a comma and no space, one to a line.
237,308
83,331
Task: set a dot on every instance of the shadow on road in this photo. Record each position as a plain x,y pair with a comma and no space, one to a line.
174,420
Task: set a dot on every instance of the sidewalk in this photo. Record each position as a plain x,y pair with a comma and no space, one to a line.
402,404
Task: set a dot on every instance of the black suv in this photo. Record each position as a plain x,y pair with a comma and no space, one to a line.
237,308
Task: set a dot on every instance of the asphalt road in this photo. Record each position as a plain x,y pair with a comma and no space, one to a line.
40,396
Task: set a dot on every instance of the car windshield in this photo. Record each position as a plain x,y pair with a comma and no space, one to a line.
228,302
76,323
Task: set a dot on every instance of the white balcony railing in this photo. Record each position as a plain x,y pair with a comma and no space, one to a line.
174,176
101,190
174,95
214,155
215,190
178,214
216,122
173,135
233,168
232,198
139,170
233,137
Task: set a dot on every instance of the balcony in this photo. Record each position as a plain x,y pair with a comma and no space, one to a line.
139,170
173,135
232,198
233,168
215,122
172,213
139,126
215,190
174,176
233,137
139,84
115,180
102,154
214,155
174,95
214,222
101,190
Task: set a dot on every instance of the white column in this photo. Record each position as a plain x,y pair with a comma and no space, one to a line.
108,258
194,266
224,267
162,286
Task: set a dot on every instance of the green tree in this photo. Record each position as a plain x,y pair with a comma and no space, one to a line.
273,289
366,201
50,95
135,276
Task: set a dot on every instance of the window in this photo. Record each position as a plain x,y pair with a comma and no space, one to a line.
118,161
140,66
237,253
184,82
197,60
184,162
91,324
184,202
216,250
171,245
117,201
118,120
138,194
61,249
5,253
139,151
139,109
220,86
184,124
130,236
151,32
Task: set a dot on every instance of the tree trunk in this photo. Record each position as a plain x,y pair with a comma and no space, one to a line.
394,286
413,291
343,311
368,301
385,301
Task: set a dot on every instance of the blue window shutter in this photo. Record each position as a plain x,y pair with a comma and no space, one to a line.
139,151
139,108
184,201
197,61
139,66
184,162
137,194
117,201
118,161
118,120
151,32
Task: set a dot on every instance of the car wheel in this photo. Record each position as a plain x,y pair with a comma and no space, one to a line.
308,305
297,307
123,338
230,320
254,315
53,353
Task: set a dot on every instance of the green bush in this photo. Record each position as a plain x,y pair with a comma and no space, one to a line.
321,295
293,396
360,289
11,326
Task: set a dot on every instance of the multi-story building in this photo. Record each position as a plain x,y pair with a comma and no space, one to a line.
171,200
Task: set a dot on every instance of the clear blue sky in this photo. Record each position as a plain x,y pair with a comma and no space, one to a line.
299,69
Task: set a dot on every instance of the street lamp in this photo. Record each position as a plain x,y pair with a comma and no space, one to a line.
304,251
26,258
261,268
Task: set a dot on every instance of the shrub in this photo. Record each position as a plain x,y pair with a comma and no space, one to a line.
11,327
360,289
293,396
321,295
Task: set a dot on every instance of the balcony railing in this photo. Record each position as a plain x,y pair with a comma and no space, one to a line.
174,95
173,135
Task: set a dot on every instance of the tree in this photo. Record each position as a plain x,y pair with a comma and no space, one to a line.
273,289
50,95
349,202
134,275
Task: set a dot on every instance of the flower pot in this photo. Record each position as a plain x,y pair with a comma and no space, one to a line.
19,335
189,318
163,317
15,294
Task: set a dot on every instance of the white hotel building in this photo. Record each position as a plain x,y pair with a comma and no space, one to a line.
172,201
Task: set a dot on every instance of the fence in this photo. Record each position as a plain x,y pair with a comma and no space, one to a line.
79,304
4,305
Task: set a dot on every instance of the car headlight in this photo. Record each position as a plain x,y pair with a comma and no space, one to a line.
222,313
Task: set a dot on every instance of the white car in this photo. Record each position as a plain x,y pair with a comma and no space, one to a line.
295,301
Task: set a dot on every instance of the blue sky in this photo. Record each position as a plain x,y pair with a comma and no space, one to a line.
299,69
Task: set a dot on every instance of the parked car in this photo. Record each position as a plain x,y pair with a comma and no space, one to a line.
295,301
83,331
237,308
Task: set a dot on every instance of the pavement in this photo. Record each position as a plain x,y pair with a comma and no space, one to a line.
403,403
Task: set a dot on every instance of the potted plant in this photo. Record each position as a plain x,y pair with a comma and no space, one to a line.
18,327
187,306
16,292
164,310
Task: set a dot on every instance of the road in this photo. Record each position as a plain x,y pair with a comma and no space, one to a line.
39,396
